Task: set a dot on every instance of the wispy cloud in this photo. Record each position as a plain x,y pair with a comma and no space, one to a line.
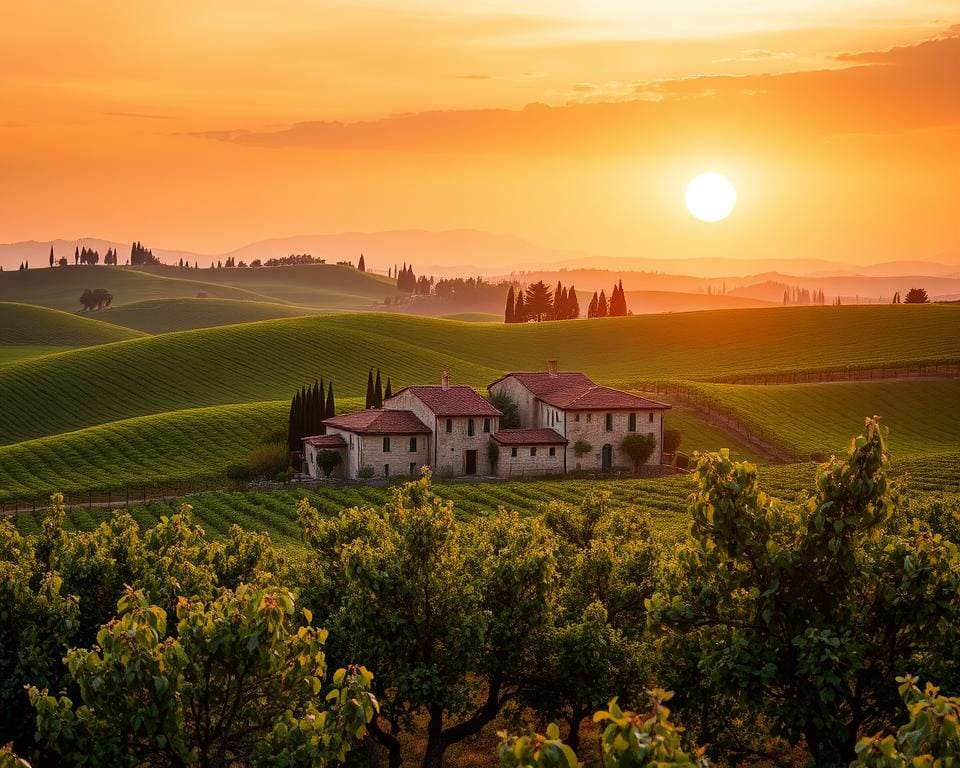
757,54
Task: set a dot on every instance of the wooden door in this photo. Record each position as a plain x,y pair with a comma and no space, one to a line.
471,462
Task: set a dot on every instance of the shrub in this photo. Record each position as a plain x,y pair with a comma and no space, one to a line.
671,440
269,459
365,472
581,448
493,453
639,448
285,476
508,407
328,461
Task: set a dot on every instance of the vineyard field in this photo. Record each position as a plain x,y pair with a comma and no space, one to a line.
266,360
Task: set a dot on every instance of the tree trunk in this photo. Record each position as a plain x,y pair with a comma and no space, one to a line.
436,742
573,737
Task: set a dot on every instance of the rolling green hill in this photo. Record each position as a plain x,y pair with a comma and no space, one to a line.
816,418
267,360
321,286
169,315
25,325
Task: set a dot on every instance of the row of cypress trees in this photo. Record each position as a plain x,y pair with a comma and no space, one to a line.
615,307
308,408
375,392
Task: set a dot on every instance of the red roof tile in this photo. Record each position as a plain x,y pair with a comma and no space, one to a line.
571,391
326,441
529,437
456,400
378,421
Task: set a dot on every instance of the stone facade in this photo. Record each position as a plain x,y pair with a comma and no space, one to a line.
591,427
370,451
530,460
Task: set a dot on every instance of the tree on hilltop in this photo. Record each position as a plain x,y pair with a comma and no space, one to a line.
916,296
539,301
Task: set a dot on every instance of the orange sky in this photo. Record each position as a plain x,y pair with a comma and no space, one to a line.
574,123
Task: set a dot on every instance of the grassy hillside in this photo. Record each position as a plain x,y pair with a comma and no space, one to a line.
814,418
11,353
698,435
320,286
164,448
169,315
25,325
267,360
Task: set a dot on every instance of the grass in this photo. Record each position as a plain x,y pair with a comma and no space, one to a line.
24,325
170,315
319,286
17,352
165,448
698,435
812,418
269,359
474,317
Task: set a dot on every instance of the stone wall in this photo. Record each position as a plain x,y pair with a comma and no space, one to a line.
526,463
591,428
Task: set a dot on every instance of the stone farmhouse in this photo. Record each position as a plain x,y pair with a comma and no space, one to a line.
567,423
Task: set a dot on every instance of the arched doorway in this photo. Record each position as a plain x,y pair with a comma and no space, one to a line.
606,457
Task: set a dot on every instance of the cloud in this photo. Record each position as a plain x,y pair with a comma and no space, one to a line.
757,54
902,89
473,77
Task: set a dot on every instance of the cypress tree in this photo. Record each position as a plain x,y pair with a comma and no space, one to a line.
316,408
602,305
520,310
362,265
76,255
558,302
378,392
331,407
51,255
371,397
592,309
508,310
388,392
292,436
573,304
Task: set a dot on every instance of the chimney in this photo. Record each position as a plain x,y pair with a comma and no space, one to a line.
552,367
445,380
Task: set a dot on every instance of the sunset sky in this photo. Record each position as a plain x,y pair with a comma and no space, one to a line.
574,123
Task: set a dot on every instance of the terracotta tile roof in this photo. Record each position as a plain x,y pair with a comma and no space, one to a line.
529,437
378,421
326,441
456,400
571,391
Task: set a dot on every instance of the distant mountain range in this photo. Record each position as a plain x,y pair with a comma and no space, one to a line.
473,252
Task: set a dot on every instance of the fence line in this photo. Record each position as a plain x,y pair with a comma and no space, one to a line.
935,369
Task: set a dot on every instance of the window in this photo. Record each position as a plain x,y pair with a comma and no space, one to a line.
533,451
413,467
386,470
513,452
469,427
386,445
651,417
609,423
413,445
553,451
632,424
589,415
449,426
351,441
576,417
486,425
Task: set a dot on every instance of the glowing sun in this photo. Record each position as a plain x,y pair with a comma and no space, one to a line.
710,196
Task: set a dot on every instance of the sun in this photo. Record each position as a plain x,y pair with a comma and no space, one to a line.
710,196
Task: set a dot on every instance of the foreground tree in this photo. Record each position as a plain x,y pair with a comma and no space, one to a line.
797,616
450,615
237,683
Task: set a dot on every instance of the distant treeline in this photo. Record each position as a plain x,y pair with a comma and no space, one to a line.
538,303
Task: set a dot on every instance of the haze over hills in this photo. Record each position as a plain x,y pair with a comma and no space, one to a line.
462,252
